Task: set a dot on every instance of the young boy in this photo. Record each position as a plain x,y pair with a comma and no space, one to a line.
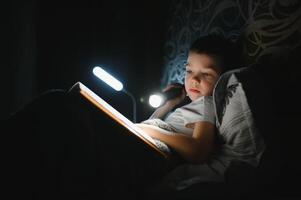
190,129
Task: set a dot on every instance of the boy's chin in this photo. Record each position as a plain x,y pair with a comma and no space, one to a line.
195,97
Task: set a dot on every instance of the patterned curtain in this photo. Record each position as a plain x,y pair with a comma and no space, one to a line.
262,26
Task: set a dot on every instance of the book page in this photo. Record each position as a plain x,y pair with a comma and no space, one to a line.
107,108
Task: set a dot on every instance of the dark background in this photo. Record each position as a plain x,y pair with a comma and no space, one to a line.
53,44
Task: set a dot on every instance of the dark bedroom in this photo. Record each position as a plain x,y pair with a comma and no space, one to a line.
227,125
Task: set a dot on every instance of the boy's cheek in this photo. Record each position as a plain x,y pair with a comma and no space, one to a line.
208,89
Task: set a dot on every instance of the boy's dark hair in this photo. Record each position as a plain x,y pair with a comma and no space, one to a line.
223,50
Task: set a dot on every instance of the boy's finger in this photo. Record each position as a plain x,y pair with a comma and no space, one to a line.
172,85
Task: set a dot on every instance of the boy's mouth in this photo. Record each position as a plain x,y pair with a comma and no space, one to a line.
194,91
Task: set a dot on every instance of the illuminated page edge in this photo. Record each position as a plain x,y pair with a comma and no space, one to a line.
103,105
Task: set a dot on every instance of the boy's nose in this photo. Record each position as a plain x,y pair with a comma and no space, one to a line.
196,79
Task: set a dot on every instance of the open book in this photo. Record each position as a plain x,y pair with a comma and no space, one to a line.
101,104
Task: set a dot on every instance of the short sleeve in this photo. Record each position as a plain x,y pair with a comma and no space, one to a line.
201,109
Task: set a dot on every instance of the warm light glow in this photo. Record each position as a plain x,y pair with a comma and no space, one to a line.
155,100
115,114
107,78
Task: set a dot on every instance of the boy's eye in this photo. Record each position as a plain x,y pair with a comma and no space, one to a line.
205,76
188,71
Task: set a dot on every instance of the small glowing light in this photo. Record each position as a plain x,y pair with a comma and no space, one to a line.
155,100
107,78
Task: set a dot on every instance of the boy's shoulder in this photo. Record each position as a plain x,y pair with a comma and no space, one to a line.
203,100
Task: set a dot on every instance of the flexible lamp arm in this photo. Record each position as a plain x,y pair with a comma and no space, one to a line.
134,103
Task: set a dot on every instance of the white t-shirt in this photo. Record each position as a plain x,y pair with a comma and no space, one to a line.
182,119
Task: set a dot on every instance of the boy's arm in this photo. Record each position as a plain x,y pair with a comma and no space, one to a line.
195,149
163,110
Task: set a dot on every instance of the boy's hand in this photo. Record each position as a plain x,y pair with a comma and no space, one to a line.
170,104
176,100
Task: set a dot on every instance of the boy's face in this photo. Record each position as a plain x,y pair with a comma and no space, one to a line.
201,75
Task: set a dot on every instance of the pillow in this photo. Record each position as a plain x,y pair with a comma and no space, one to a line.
238,133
